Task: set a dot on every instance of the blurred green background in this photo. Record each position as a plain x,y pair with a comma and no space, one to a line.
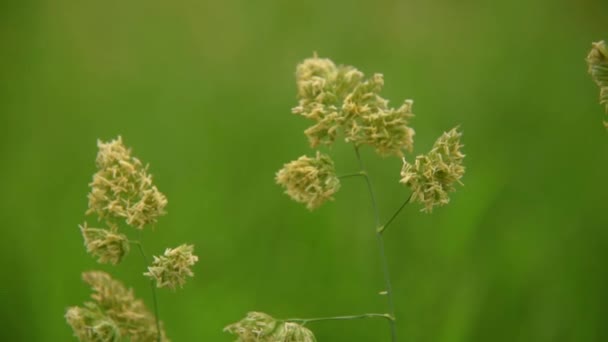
202,90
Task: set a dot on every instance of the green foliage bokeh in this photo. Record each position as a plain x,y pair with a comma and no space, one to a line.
202,90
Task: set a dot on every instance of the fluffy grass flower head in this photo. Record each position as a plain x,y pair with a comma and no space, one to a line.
260,327
341,99
107,245
113,314
171,269
434,175
294,332
257,326
122,188
311,181
89,323
597,61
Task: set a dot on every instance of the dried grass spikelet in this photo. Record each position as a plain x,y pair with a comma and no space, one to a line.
321,87
89,323
122,188
113,306
172,268
597,61
433,175
257,326
339,98
107,245
260,327
309,180
371,122
293,332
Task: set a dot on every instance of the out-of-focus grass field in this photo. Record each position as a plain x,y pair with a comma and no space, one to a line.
202,90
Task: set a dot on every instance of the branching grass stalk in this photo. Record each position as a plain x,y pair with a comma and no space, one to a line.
380,239
123,194
356,110
154,300
303,321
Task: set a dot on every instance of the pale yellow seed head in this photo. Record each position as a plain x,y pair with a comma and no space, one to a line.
293,332
114,313
433,176
89,324
257,326
597,62
171,269
261,327
106,245
341,101
122,188
311,181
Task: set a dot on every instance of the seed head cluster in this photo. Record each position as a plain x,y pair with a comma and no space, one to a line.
433,175
107,245
597,61
311,181
122,188
114,314
260,327
341,99
122,193
171,269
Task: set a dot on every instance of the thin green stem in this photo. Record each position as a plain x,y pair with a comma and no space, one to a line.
380,239
383,227
370,189
154,300
303,321
354,174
